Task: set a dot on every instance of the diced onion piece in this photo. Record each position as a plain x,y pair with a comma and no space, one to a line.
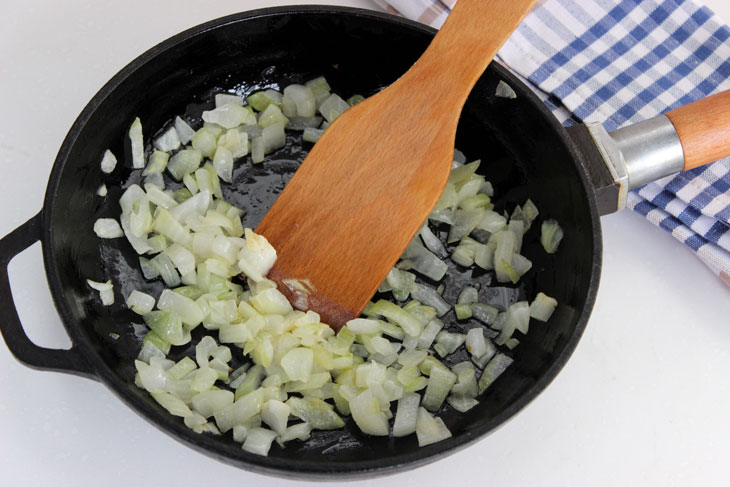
153,379
430,297
302,123
410,324
184,131
542,307
167,326
462,174
273,137
168,141
173,404
505,241
362,326
476,344
493,370
276,415
230,116
365,410
492,222
108,162
257,256
406,415
466,380
465,221
184,162
157,163
262,99
333,107
303,99
440,382
106,291
205,141
447,343
108,228
297,363
316,412
355,99
168,226
484,313
300,431
550,236
208,403
223,164
430,429
139,302
196,205
461,403
135,138
258,150
312,134
258,441
318,85
227,99
505,91
188,311
272,115
102,191
432,242
424,262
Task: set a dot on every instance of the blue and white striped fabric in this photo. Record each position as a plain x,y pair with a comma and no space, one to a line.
619,62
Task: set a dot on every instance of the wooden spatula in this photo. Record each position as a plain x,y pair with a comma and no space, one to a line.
369,183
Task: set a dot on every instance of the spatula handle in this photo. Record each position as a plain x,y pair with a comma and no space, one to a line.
466,44
704,129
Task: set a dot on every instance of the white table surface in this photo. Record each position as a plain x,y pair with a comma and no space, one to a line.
643,401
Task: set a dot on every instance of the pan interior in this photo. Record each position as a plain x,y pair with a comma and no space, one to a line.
519,144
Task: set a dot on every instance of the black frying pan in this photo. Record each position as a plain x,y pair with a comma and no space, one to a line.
526,153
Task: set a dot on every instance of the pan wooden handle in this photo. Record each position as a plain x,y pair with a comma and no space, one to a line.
704,129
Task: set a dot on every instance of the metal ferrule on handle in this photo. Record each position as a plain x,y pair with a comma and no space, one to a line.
640,153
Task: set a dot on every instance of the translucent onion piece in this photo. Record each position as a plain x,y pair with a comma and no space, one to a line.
551,235
543,307
108,228
135,138
108,162
168,141
184,131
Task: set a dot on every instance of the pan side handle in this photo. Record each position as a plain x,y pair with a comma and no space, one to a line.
70,361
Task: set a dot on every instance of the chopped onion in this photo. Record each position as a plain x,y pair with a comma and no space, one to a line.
135,138
551,236
106,291
168,141
302,99
430,429
227,99
333,107
139,302
430,297
294,365
184,131
542,307
108,228
418,258
108,162
230,116
493,370
505,91
312,135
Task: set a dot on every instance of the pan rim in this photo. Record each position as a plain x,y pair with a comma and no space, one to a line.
292,467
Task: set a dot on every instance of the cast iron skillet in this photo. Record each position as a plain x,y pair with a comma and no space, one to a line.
526,152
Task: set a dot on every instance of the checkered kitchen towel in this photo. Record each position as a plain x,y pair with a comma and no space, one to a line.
619,62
